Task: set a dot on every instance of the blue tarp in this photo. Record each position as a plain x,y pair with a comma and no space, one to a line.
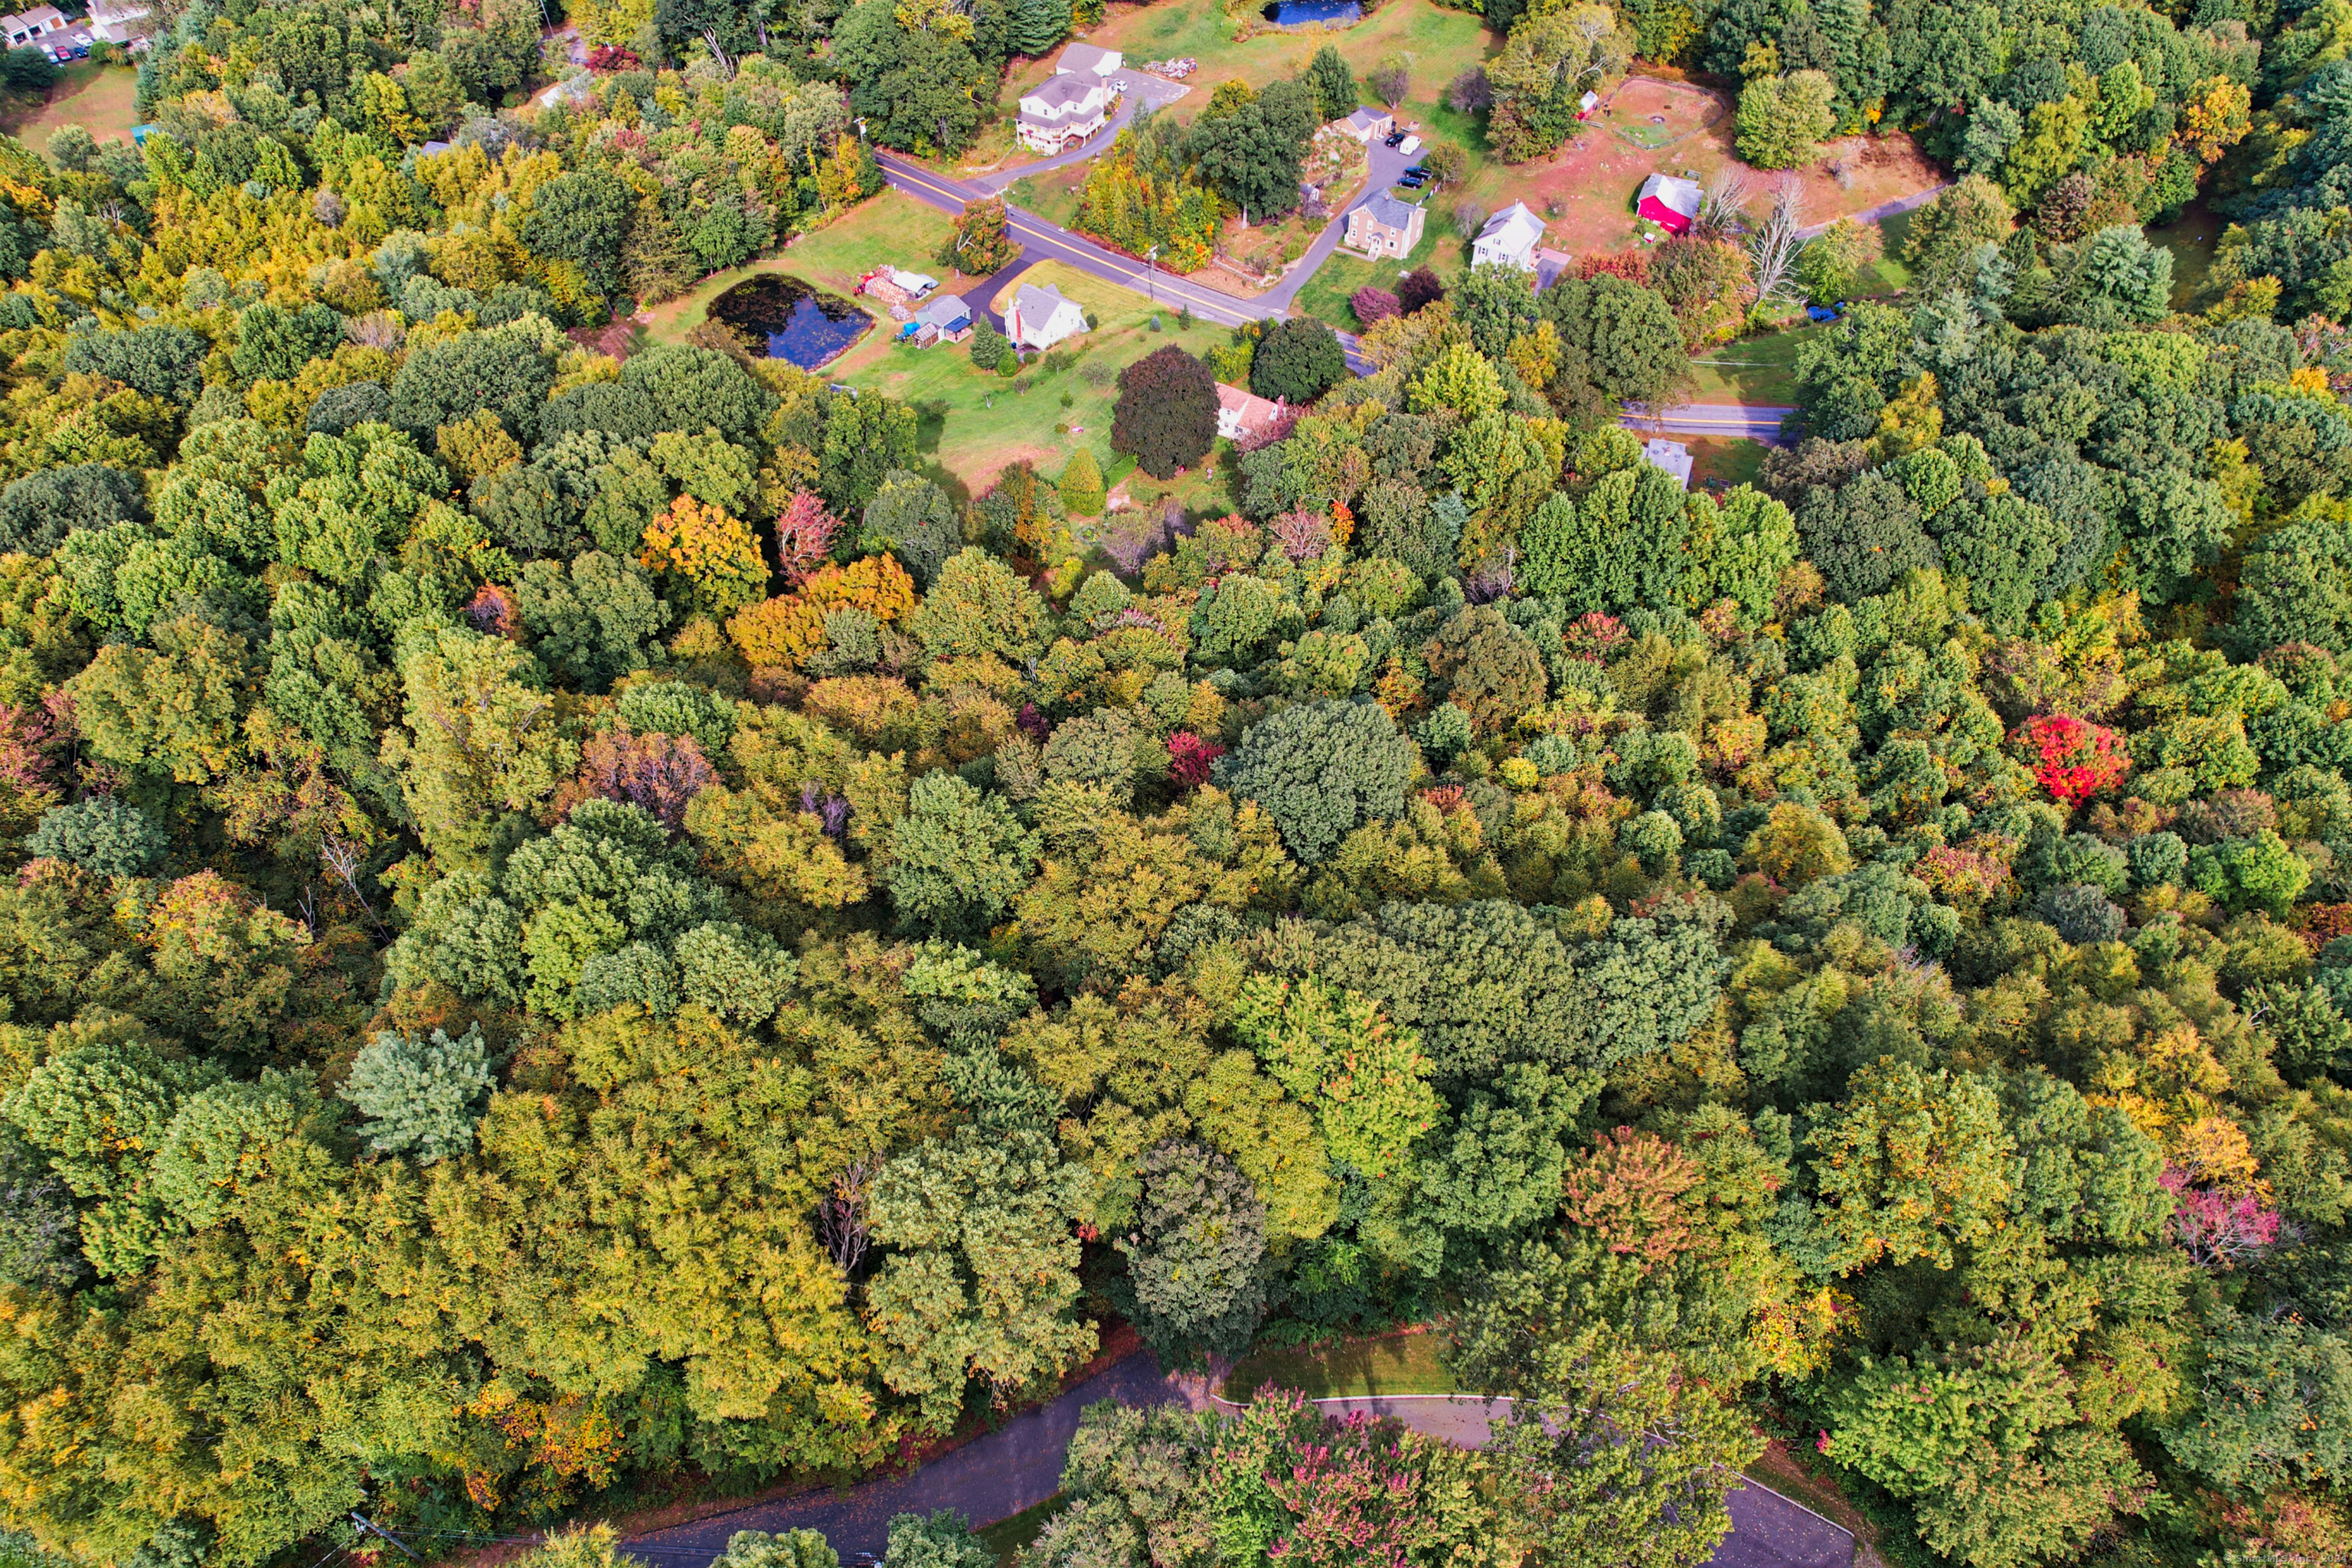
1314,12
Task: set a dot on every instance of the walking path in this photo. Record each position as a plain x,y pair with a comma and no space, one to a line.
1911,203
1019,1465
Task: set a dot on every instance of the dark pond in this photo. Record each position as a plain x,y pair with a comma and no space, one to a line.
1313,13
801,323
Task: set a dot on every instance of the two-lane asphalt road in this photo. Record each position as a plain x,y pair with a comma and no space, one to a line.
1749,421
1043,241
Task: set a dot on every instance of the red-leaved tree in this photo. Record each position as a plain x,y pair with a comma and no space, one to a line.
2073,759
805,536
2217,1230
1190,758
661,773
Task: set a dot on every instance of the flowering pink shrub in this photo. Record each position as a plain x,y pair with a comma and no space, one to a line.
1190,757
2072,759
804,535
1351,1502
2217,1230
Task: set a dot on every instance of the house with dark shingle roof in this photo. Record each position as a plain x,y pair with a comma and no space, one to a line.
1385,226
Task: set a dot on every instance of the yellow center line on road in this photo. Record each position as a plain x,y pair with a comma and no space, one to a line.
1205,302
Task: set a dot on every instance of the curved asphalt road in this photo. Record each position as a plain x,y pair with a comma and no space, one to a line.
1019,1464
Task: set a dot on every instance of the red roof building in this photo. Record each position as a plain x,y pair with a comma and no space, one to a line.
1670,203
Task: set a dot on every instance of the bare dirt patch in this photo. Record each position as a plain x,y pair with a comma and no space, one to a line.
1585,191
1653,114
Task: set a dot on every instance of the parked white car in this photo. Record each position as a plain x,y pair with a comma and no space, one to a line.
1409,146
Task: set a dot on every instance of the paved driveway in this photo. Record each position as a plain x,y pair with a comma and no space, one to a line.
1143,93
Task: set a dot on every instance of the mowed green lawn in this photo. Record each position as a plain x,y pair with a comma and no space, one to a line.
102,99
1440,43
1750,370
892,229
972,423
1393,1364
1326,295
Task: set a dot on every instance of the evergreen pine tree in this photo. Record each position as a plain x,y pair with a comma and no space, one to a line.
1082,484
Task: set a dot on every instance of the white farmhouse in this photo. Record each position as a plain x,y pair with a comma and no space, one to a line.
1063,110
1040,317
1509,239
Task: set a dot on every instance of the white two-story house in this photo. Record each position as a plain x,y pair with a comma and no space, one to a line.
1063,110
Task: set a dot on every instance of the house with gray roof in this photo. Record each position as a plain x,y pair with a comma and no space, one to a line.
946,316
1385,226
1063,111
1042,316
1509,239
1086,60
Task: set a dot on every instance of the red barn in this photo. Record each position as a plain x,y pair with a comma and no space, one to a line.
1672,204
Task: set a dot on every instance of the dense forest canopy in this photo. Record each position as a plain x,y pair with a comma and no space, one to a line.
583,925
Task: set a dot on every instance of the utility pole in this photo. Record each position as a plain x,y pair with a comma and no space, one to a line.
370,1527
1151,274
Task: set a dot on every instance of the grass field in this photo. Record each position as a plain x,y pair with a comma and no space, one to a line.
1006,1537
1729,461
1750,370
972,423
1439,44
2190,238
893,229
99,98
1393,1364
1325,296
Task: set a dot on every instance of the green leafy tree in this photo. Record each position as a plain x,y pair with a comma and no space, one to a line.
1613,1452
958,857
1783,121
1985,1445
276,344
174,711
1298,359
421,1095
2273,1412
1082,484
979,607
1945,234
793,1549
983,1268
1195,1252
580,216
104,834
480,738
446,379
1332,1051
1321,770
39,509
1910,1163
1334,84
868,437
